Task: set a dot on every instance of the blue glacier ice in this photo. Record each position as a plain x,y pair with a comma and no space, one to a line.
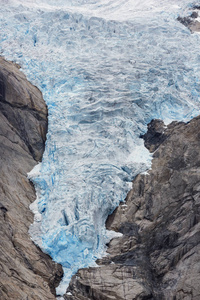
105,68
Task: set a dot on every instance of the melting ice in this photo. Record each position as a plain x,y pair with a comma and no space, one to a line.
105,69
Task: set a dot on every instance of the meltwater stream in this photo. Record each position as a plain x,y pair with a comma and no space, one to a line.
105,68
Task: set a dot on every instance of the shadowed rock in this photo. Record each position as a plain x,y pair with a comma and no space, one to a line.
191,21
25,272
158,255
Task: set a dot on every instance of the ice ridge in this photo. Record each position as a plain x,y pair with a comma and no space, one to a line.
103,80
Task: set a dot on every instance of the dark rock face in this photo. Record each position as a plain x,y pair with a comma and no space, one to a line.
155,135
158,255
25,272
191,20
21,105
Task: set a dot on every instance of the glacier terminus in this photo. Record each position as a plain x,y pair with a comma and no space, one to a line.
105,68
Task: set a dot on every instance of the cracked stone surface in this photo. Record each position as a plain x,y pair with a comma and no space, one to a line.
25,272
158,255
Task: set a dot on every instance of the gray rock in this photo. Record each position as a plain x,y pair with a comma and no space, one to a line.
158,255
25,272
191,21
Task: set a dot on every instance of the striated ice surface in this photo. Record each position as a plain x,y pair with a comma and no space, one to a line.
105,68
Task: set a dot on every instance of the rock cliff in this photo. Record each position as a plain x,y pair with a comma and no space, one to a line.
25,272
158,255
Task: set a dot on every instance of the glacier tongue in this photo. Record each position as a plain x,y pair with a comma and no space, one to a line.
103,80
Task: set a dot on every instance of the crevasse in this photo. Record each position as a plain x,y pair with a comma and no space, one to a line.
105,69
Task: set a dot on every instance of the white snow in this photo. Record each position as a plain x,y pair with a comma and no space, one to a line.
119,10
35,171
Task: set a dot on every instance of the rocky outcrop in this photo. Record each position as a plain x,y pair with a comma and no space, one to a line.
191,21
158,255
25,272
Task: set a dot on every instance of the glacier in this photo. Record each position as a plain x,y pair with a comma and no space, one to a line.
105,68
